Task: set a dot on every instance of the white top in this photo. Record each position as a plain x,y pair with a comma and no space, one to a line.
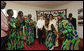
54,23
49,26
50,23
40,23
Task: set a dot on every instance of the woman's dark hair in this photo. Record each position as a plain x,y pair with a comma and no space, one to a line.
70,15
51,15
42,15
47,19
19,12
9,11
29,15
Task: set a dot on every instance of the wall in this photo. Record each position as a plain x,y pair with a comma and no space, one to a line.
73,8
27,9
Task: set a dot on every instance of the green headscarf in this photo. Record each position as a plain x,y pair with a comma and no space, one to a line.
61,14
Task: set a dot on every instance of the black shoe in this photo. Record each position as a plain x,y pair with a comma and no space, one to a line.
39,43
54,44
31,43
27,43
42,43
47,49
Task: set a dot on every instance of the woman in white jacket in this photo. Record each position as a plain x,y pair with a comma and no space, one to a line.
51,32
53,21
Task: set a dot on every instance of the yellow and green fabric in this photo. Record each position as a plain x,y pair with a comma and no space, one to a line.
12,34
19,31
50,40
71,38
29,32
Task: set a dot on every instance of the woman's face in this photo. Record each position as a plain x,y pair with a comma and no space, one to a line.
58,17
50,16
11,13
46,22
25,17
29,17
42,17
21,14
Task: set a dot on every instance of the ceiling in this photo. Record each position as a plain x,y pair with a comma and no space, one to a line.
43,4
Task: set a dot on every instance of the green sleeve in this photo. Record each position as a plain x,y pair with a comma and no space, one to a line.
67,27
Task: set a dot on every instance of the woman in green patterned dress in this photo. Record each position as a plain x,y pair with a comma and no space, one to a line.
51,34
29,30
19,29
12,32
71,39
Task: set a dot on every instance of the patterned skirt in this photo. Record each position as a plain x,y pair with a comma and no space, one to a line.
11,40
20,38
29,35
70,44
50,40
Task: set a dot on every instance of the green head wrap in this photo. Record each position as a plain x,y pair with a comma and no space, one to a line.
61,14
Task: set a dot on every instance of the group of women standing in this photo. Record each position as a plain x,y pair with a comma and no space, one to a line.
16,36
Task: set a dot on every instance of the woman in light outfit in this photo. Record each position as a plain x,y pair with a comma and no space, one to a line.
51,32
53,21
